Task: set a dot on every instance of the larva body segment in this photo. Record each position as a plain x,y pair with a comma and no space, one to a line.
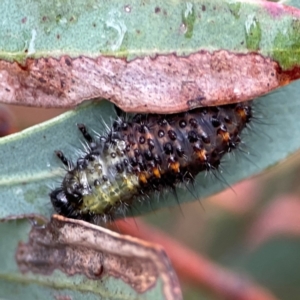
146,153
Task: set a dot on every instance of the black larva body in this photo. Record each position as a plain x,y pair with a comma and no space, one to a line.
146,153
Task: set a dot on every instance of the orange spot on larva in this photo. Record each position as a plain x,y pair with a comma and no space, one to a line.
143,177
156,172
241,112
174,166
224,134
201,154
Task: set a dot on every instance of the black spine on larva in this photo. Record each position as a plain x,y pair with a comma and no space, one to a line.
156,152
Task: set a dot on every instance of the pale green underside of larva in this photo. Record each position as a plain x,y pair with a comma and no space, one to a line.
117,188
124,187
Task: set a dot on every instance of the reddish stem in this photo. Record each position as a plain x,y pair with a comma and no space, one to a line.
197,269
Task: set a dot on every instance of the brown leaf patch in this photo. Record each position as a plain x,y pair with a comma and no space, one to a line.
163,84
76,247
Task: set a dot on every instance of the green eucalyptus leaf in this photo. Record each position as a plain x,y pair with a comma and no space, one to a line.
135,29
146,56
29,169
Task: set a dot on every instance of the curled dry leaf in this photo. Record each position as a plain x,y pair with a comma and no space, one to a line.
144,84
76,247
162,57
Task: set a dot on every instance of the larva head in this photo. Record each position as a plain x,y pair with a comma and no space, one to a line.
97,182
64,203
67,200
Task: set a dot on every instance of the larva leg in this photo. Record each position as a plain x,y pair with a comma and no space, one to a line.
85,133
63,159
